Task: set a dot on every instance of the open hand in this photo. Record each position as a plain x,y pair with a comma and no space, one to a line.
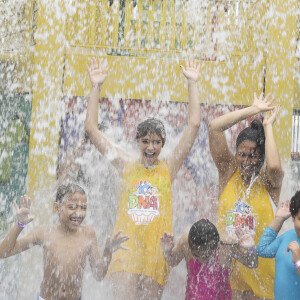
191,70
167,242
96,72
263,104
295,249
245,238
114,243
23,212
283,210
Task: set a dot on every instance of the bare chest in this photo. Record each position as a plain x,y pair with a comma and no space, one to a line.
66,252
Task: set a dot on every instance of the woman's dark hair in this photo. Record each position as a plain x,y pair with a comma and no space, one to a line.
255,133
64,190
295,204
152,125
203,232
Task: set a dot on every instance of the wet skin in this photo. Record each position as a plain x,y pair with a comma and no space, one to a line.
150,147
66,247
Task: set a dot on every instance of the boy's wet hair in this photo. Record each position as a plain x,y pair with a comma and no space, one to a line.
203,232
64,190
295,204
152,125
255,133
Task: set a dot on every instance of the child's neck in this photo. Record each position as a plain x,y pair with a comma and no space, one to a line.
66,230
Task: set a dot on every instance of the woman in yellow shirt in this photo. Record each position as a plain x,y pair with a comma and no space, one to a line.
248,193
145,202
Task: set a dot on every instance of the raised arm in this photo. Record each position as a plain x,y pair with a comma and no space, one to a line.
183,148
116,155
221,154
70,167
173,255
274,172
10,245
99,264
269,243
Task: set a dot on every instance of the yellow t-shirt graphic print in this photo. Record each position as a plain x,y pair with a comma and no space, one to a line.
143,205
241,215
145,213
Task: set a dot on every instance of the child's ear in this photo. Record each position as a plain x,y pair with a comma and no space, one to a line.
56,207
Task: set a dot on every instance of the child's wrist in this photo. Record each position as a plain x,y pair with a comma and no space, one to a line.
191,81
96,85
297,264
21,225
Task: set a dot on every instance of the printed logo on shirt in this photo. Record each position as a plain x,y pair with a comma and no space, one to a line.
241,215
143,205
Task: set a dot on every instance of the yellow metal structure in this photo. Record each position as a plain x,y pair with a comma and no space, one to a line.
241,47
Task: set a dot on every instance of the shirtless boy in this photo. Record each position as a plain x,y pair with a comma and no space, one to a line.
65,246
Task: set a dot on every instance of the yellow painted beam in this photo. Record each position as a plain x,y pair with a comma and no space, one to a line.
280,67
161,79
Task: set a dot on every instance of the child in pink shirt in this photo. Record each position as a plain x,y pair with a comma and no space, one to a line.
208,259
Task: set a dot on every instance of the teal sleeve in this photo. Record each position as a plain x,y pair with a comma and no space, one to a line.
268,244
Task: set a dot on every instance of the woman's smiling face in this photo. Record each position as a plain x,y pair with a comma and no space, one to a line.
150,147
248,158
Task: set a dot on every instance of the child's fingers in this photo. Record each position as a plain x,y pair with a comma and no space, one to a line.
88,67
26,201
21,201
123,239
192,62
29,203
117,234
93,64
15,205
124,248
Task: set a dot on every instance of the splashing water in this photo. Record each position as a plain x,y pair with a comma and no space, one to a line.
44,88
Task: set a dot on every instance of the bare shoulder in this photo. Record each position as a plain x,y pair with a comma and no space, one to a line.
40,233
88,231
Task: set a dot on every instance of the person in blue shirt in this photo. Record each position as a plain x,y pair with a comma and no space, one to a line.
285,249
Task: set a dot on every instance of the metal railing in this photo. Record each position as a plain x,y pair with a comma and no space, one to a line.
296,135
205,27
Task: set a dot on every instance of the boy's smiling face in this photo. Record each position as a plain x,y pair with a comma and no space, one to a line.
296,221
72,210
